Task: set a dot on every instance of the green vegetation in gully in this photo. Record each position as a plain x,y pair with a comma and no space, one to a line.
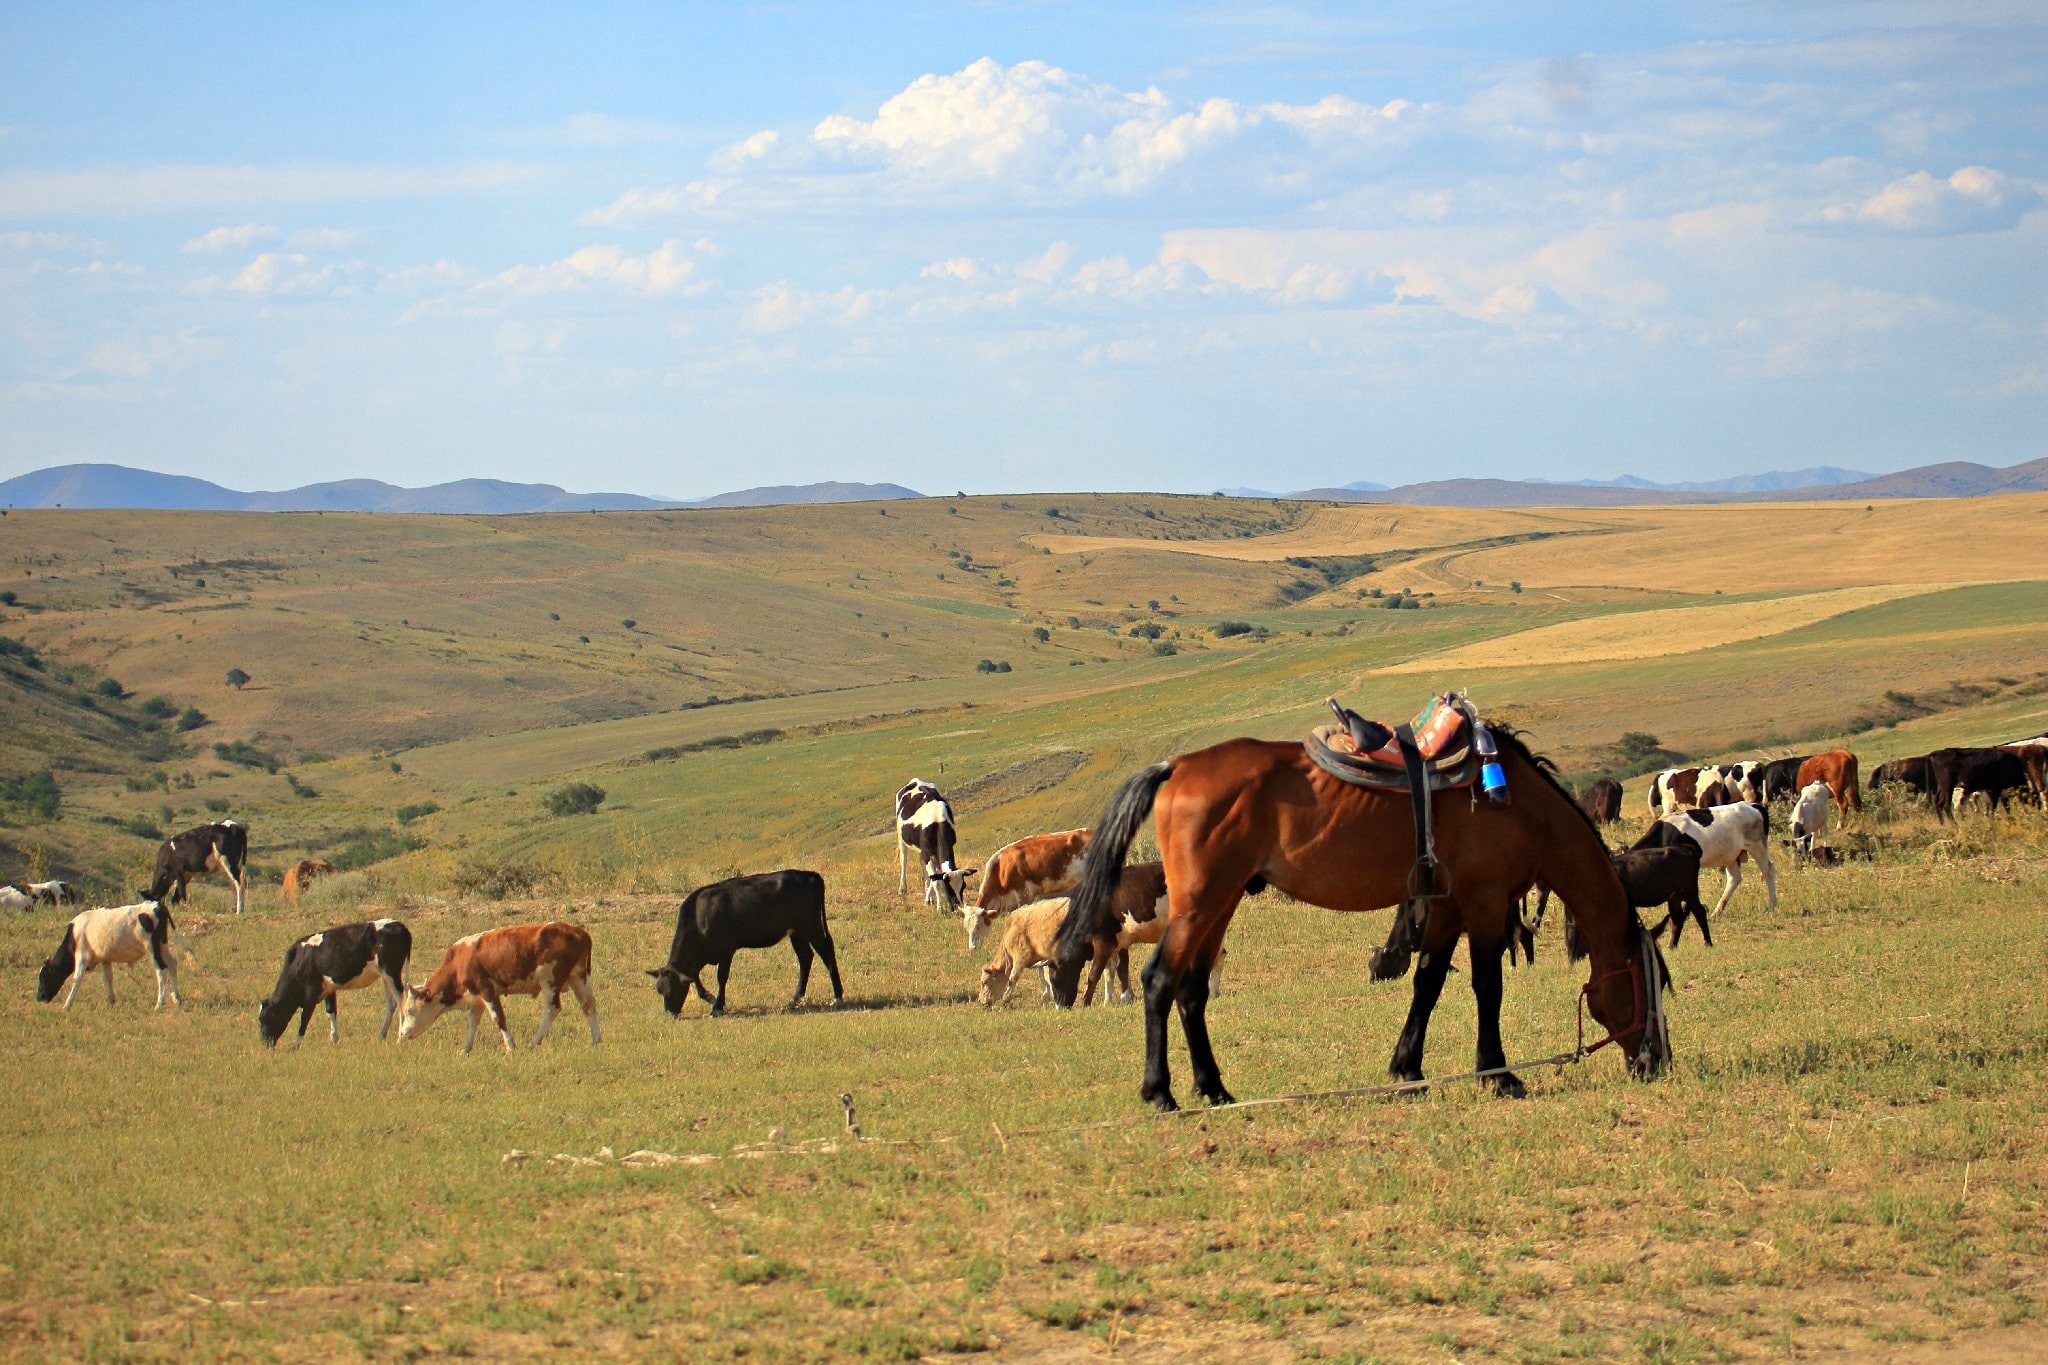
1849,1153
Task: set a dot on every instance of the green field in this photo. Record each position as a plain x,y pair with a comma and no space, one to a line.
1849,1153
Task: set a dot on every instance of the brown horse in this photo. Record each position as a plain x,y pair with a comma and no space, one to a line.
1248,813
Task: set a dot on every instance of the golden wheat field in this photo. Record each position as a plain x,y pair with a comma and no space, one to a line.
1848,1158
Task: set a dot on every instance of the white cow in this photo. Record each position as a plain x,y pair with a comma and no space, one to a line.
12,898
1809,815
1725,836
105,935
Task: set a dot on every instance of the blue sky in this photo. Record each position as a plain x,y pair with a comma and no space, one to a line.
678,250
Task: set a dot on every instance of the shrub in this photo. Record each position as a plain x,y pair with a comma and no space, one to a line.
11,648
1147,630
299,789
361,847
1040,634
34,794
992,666
1164,647
160,707
1638,744
237,679
417,811
1223,630
217,804
6,597
141,826
629,623
191,718
108,688
248,755
494,880
577,798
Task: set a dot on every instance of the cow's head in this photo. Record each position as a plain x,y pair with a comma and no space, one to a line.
995,985
273,1015
978,921
948,885
419,1011
674,989
56,969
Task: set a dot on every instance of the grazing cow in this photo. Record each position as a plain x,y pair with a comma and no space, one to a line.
2035,760
56,893
321,966
106,935
1717,793
1028,941
1958,774
300,875
1602,801
1138,906
522,959
760,911
1673,789
1725,836
924,823
1837,768
1780,777
1739,780
1028,870
1914,774
222,847
13,899
1810,815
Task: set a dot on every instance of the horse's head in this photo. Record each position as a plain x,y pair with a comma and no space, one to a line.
1628,1000
1068,958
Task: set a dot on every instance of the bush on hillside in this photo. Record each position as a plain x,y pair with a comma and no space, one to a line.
32,794
577,798
191,718
418,811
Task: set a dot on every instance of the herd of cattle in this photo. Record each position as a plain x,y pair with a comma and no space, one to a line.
1704,818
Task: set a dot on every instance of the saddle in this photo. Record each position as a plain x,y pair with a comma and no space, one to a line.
1367,753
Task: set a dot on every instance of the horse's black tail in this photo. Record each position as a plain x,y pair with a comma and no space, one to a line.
1088,907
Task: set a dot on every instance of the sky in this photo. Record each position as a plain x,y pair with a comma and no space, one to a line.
680,249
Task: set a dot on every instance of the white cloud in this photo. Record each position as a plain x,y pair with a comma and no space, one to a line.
637,206
1974,199
110,192
325,239
666,270
231,238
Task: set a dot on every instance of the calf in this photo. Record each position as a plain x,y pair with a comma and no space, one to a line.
1725,836
1837,768
300,875
320,966
521,959
718,920
12,898
1809,815
56,893
1029,940
1914,774
1669,877
106,935
1139,907
1602,801
222,847
1957,774
1028,870
1673,789
924,823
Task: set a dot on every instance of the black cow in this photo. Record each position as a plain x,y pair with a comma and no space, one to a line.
222,847
1957,774
1780,778
718,920
320,966
1602,801
1913,774
924,823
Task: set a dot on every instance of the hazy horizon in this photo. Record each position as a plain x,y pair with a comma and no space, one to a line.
678,252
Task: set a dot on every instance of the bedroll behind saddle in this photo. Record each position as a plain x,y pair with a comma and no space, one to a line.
1366,753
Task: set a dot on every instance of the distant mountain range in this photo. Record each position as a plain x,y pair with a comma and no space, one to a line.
113,485
1956,479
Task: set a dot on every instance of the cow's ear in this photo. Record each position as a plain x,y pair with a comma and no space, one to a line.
657,975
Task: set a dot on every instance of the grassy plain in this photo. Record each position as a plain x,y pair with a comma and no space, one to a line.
1850,1155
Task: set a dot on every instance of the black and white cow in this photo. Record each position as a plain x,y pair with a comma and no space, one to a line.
1739,778
320,966
1780,778
760,911
1726,837
924,824
105,935
222,847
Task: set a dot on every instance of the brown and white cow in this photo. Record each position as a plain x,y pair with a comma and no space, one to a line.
301,875
477,973
1031,869
106,935
1837,768
1139,905
1674,789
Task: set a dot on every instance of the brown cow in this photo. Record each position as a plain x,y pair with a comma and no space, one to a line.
300,875
1602,801
1031,869
522,959
1837,768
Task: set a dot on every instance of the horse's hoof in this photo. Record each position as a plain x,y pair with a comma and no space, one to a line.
1508,1086
1160,1099
716,1012
1219,1096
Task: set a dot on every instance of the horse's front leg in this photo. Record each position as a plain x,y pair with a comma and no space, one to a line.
1430,970
1486,988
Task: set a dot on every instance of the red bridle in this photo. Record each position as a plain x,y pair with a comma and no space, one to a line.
1635,974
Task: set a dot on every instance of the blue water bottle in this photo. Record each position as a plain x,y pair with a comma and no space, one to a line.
1490,775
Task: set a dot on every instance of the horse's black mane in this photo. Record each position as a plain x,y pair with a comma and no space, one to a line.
1512,739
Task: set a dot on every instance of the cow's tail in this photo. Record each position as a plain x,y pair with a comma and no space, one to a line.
1089,911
